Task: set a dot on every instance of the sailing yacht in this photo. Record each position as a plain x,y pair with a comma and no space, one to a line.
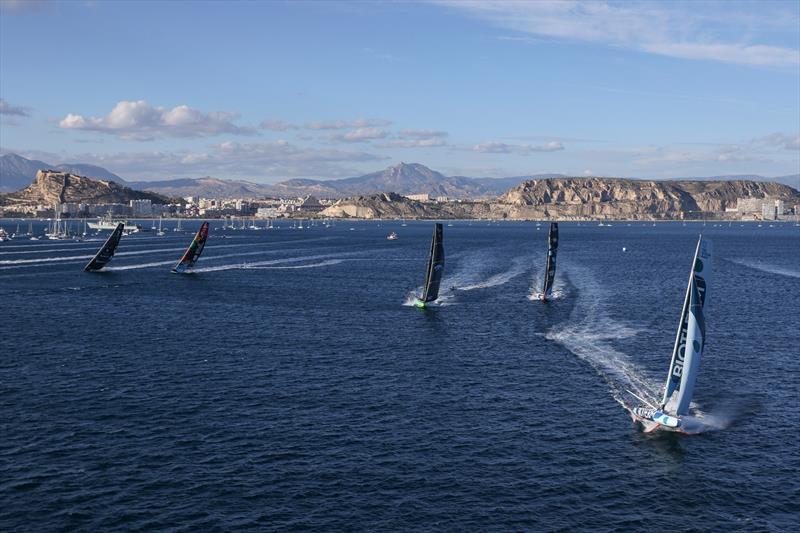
192,253
550,266
106,252
160,231
686,354
433,275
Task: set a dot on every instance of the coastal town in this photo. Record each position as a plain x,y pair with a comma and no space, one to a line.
67,196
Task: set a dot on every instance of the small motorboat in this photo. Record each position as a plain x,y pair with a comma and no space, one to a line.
392,236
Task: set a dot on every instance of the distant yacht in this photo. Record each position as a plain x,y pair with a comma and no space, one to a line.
392,236
107,223
435,270
685,362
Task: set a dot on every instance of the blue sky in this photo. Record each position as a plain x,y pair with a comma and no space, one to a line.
268,90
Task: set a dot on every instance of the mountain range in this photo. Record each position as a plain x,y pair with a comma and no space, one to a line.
17,172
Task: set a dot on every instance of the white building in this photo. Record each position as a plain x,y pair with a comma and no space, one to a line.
267,212
423,197
750,205
141,208
772,209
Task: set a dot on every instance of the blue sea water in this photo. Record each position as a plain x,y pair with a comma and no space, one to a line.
287,383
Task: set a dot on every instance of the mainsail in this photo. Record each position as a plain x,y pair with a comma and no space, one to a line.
690,339
550,266
433,276
193,252
106,252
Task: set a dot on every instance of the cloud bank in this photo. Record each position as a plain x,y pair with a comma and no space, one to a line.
520,149
8,109
681,30
138,120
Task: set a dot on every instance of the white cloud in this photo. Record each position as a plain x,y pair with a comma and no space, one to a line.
679,30
422,134
521,149
277,125
257,161
360,135
8,109
139,120
347,124
781,140
415,143
417,139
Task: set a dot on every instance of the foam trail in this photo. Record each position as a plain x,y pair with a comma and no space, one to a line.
329,262
247,266
45,260
205,259
471,267
765,267
588,334
518,266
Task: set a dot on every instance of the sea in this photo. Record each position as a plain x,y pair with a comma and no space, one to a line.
289,384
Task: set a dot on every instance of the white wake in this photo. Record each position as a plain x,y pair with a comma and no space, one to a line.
768,268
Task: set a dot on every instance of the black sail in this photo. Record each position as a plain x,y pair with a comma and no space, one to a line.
105,253
550,267
433,276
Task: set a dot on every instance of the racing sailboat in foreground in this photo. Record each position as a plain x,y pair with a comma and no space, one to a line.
106,252
433,276
193,252
550,266
689,344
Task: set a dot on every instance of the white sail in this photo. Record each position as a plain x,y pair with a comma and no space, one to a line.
692,353
690,340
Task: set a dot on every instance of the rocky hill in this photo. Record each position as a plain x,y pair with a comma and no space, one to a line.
577,199
51,187
16,171
633,199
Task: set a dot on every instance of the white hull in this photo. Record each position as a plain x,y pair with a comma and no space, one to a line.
111,226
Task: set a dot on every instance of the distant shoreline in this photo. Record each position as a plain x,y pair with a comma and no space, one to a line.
789,219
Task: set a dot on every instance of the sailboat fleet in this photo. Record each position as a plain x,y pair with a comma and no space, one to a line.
669,414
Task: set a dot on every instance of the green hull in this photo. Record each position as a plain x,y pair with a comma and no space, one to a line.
419,303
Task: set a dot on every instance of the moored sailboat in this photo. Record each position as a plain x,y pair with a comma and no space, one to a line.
686,354
433,276
192,253
550,265
106,252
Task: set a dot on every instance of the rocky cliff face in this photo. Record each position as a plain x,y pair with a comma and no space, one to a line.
51,187
578,199
609,198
